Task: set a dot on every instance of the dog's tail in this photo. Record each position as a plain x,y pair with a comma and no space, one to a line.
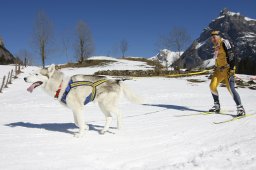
129,94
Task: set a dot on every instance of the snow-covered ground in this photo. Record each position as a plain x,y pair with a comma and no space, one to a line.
5,69
36,131
119,64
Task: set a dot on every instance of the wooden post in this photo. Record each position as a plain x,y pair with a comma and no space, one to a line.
16,71
10,79
25,62
6,84
2,85
19,69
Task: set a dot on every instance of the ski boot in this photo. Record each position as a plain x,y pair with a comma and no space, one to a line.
240,111
215,108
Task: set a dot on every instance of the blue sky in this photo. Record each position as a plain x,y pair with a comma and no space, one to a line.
140,22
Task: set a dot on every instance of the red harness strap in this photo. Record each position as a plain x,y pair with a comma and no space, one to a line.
58,91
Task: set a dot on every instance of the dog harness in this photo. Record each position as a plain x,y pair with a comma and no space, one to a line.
74,84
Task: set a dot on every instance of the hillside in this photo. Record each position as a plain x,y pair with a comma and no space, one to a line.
6,56
167,132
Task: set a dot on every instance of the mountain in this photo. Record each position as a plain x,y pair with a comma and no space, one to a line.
238,29
166,56
6,56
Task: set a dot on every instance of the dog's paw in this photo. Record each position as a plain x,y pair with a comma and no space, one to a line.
79,135
102,132
87,127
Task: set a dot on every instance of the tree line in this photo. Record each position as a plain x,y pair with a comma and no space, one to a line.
83,44
43,40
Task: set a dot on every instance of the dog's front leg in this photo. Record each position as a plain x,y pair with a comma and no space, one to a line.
107,124
79,121
76,123
119,119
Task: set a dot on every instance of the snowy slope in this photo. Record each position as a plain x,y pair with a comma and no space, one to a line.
36,131
4,69
208,63
102,58
119,64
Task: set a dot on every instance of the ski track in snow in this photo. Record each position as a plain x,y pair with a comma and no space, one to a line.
36,132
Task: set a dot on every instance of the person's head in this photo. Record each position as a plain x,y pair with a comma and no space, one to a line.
215,37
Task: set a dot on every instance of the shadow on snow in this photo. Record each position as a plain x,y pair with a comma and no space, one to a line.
55,127
174,107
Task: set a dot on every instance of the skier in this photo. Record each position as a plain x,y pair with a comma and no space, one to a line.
224,70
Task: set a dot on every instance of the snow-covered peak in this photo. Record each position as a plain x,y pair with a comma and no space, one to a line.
226,12
232,13
167,55
249,19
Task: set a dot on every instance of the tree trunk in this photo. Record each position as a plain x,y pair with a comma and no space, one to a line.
43,54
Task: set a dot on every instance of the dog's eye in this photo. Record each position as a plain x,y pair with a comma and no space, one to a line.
36,74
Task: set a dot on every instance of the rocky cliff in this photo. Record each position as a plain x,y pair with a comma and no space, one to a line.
238,29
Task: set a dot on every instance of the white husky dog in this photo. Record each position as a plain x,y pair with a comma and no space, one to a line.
76,91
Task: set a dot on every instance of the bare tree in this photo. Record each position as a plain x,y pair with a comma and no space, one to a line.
66,42
177,40
123,47
43,34
84,45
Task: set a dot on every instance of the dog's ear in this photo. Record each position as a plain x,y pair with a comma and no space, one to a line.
51,69
57,67
44,72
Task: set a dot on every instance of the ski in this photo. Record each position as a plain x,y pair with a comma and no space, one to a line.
209,113
202,113
233,119
216,113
